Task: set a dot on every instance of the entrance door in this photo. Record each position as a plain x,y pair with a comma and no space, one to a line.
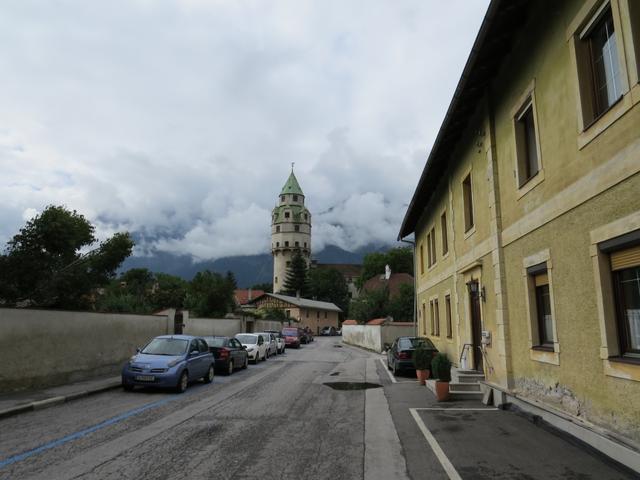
476,324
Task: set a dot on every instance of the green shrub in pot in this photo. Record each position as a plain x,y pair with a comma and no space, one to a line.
441,368
421,358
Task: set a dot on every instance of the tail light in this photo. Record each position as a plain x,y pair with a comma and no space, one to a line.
404,355
224,352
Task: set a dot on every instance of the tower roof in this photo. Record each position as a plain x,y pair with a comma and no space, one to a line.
292,186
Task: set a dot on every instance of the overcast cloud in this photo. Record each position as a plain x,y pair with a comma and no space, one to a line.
178,120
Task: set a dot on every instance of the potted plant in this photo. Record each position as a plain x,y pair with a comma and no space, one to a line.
422,361
441,368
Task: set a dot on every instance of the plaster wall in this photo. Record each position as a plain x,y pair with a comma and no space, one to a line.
41,348
374,337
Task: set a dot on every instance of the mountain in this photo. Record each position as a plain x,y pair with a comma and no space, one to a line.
248,269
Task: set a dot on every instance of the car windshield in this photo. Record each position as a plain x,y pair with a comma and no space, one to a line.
290,332
166,346
415,343
248,339
215,341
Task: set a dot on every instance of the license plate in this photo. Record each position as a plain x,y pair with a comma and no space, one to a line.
145,378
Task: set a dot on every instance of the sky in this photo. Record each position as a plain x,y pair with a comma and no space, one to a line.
178,120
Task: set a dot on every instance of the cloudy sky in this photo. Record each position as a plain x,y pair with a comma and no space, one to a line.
179,119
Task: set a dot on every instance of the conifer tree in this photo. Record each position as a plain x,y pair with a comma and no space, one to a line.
297,279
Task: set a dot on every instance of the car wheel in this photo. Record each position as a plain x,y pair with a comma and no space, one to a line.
183,382
246,362
230,367
388,364
266,355
395,370
208,378
127,387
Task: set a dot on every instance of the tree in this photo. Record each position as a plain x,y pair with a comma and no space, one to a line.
297,280
210,295
43,266
401,306
399,259
265,287
329,285
370,305
169,292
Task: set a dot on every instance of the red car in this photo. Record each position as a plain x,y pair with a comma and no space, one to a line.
292,337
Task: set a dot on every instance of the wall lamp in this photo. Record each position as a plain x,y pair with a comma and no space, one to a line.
476,290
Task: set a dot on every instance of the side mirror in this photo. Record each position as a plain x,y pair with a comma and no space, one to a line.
193,353
138,350
244,347
387,347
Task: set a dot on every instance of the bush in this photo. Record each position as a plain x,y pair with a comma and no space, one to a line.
441,368
421,358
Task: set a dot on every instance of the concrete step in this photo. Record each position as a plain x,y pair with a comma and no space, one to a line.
477,396
470,377
464,387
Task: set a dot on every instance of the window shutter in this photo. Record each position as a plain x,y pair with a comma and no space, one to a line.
542,279
625,258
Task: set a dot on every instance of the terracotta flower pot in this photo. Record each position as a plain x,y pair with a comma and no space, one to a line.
422,376
442,391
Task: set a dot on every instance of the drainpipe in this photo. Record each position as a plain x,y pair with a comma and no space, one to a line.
415,290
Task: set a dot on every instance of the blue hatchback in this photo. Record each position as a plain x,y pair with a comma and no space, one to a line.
169,361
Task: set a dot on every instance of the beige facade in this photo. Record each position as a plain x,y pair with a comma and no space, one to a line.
535,179
303,312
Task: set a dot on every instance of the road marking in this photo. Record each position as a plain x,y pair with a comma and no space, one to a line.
488,409
391,377
435,446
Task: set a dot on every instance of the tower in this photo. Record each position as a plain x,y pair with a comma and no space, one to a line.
290,230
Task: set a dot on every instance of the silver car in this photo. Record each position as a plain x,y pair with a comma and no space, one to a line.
271,342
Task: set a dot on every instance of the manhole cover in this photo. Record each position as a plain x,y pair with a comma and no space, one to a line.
334,374
351,385
337,346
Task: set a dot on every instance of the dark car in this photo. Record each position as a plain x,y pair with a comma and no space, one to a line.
292,337
399,355
308,335
169,361
229,353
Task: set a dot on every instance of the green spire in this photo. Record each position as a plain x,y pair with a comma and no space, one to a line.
292,185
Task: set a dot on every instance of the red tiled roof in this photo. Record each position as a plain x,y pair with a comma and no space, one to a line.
377,321
394,282
349,322
241,295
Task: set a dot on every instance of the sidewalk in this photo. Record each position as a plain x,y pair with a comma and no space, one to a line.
25,401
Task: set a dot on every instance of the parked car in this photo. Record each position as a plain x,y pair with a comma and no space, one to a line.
169,361
308,334
272,343
228,352
399,356
328,331
256,346
279,340
292,337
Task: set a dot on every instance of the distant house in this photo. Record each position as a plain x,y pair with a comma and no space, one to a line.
393,283
243,296
349,271
307,313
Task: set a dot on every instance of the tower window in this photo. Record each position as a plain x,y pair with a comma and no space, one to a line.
295,198
288,263
286,215
296,228
297,244
276,280
282,197
305,244
286,244
306,217
277,244
278,229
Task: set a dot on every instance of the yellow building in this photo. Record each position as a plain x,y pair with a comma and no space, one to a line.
527,214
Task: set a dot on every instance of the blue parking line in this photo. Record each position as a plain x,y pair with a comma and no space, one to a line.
74,436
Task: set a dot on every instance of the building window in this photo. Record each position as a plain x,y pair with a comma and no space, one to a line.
305,244
443,226
286,244
275,280
526,143
599,72
540,306
436,313
325,314
282,198
467,199
625,266
433,245
421,259
295,198
297,244
277,244
287,313
296,228
306,217
278,229
432,318
447,307
287,214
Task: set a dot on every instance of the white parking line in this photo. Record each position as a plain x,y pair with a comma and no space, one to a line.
433,443
391,377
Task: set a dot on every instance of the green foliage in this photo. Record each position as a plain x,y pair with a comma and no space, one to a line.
401,307
210,295
400,260
441,367
265,287
43,265
370,305
421,357
297,277
329,285
273,313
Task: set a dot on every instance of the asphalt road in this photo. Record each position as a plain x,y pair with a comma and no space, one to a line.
273,420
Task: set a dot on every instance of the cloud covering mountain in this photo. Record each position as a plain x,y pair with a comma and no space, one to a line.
178,120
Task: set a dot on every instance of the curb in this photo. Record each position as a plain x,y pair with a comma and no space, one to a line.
50,402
